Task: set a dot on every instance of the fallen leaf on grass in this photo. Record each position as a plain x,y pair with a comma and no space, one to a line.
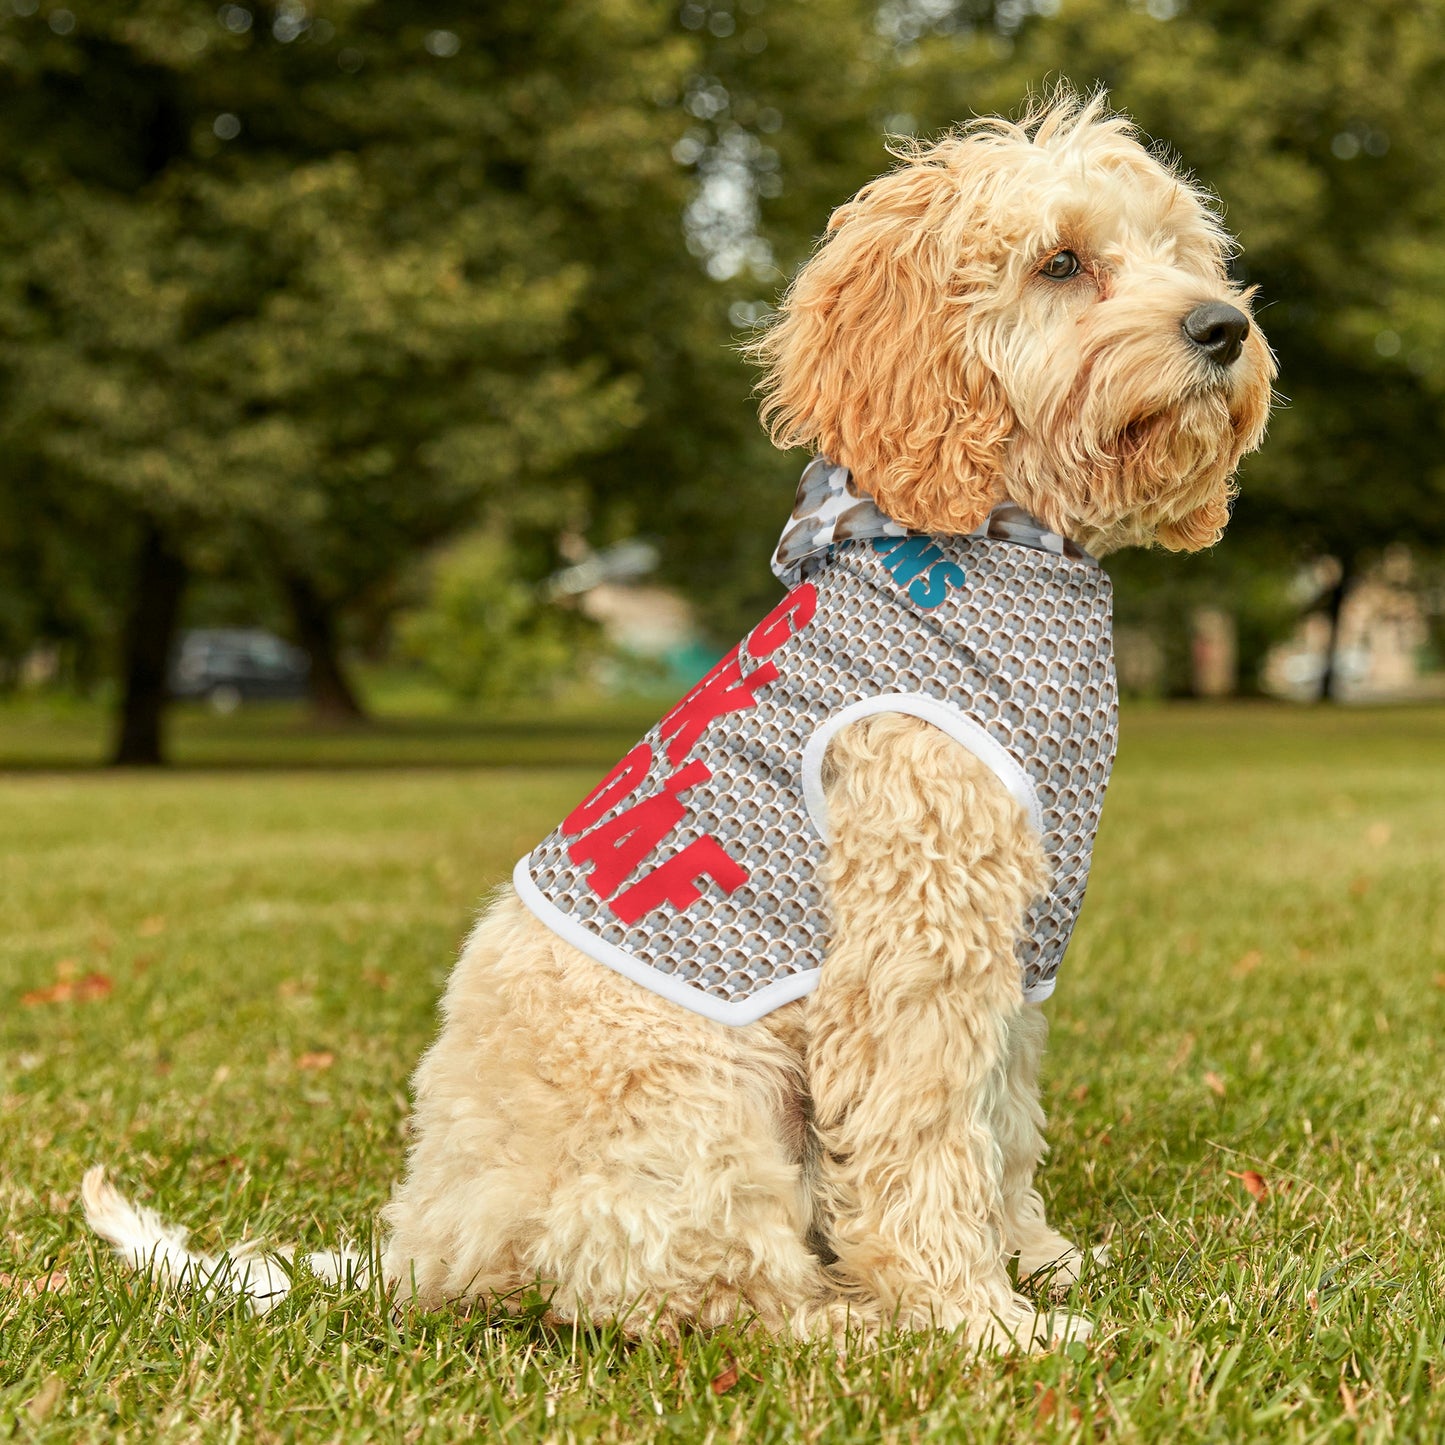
56,993
377,978
320,1059
1359,886
1248,963
1080,1094
1440,980
45,1399
1254,1183
1181,1054
724,1382
80,990
151,927
1046,1408
1377,834
56,1282
1214,1083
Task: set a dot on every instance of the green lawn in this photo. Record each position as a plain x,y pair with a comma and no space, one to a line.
410,729
230,971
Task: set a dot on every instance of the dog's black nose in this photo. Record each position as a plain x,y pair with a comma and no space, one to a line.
1218,331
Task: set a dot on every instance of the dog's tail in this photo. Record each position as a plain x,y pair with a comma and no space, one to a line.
146,1242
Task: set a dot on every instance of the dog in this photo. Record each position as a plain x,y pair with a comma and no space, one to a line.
755,1034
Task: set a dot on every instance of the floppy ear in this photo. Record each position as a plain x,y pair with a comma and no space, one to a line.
872,361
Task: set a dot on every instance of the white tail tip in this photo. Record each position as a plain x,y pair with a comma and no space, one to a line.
147,1243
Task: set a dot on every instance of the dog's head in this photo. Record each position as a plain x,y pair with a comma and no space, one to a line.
1036,311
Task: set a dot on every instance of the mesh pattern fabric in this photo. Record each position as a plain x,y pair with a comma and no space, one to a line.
997,641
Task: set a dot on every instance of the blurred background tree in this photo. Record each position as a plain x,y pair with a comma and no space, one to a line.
292,294
486,635
309,290
1316,121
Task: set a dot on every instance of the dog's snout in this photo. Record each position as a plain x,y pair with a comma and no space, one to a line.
1218,330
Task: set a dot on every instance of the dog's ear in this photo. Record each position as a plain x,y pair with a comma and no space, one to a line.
874,361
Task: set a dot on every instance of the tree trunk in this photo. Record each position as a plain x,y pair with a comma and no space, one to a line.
1329,677
333,699
150,630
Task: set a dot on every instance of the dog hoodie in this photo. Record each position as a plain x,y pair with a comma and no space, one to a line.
693,867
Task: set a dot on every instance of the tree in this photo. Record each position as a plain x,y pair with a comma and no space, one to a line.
778,117
315,288
307,286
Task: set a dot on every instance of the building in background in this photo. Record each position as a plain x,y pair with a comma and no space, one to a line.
652,631
1381,646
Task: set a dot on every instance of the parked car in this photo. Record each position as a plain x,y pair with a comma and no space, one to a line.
230,665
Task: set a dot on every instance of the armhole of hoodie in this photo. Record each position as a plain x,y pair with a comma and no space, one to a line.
962,729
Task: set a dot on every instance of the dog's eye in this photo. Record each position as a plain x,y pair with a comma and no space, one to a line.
1060,266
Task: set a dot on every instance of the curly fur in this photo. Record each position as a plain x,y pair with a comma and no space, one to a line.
921,348
865,1156
650,1165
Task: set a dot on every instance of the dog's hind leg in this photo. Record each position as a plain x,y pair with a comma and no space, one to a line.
681,1196
577,1134
932,866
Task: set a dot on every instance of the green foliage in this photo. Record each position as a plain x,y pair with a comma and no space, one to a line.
61,567
778,119
337,327
1254,915
316,287
1317,122
1249,575
486,634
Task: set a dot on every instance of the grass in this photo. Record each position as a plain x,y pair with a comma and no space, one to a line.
409,729
230,972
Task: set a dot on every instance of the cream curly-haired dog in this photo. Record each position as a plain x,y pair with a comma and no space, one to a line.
1032,313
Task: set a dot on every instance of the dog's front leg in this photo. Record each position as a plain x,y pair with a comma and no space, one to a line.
1043,1253
932,866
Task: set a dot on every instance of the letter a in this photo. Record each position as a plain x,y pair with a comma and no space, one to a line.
618,848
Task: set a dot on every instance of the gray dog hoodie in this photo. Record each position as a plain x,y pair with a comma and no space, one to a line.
693,867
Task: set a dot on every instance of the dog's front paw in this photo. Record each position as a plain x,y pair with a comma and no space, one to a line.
1057,1266
1023,1326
